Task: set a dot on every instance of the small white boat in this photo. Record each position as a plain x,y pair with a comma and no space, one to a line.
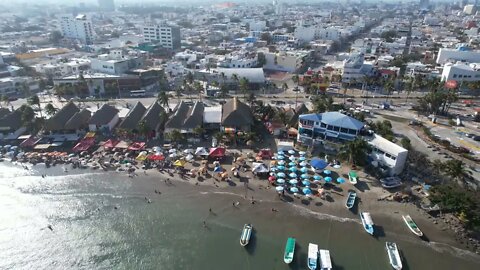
246,234
325,261
393,255
312,256
412,225
367,222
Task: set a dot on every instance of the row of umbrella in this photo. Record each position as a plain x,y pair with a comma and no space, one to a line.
307,191
291,152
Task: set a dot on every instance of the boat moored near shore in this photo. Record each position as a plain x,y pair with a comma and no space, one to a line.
412,225
246,234
325,261
352,195
367,222
312,256
393,255
289,250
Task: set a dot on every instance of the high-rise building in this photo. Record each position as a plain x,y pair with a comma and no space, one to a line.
78,28
106,5
166,35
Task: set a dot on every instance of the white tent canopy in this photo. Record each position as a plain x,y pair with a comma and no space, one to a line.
259,168
201,151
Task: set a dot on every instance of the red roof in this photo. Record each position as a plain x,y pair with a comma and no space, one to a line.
110,143
217,152
84,144
387,72
136,146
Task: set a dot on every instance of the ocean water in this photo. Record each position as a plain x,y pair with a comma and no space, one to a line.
103,221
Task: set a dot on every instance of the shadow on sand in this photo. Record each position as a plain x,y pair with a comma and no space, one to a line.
362,186
286,198
379,231
252,245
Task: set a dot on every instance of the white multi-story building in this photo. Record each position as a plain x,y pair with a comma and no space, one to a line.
469,9
116,63
462,72
288,61
355,68
239,60
79,28
454,55
167,36
388,154
307,32
59,68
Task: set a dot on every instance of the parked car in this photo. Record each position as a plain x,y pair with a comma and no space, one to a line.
476,138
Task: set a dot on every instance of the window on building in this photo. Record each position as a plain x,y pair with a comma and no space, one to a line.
323,125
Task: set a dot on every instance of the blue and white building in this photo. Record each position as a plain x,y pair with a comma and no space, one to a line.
328,129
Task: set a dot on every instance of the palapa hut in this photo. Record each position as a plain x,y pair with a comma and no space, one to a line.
131,120
11,125
79,121
105,118
185,117
152,118
56,123
236,116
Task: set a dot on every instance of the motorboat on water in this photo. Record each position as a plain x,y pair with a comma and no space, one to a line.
393,255
352,195
325,260
367,222
312,256
289,250
246,234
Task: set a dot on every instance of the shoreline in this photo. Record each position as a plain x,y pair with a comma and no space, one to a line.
266,197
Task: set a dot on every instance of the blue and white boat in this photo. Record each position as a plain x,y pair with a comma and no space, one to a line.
246,233
352,195
393,255
367,222
312,256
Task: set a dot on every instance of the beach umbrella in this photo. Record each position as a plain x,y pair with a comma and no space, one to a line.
281,152
292,169
281,162
337,166
281,168
189,157
218,169
304,170
279,188
291,152
281,181
171,151
172,155
302,153
294,189
327,172
293,181
318,164
302,158
328,179
306,183
71,155
340,180
280,157
293,175
7,146
317,178
14,147
188,151
307,191
291,158
280,174
304,176
271,178
273,169
303,163
292,164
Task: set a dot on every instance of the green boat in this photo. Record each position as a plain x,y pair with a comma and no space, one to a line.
353,177
289,250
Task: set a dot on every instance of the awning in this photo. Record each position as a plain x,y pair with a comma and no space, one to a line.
136,146
42,146
122,145
179,163
217,152
110,143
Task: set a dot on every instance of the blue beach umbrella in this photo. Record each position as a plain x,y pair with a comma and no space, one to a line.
294,189
292,164
280,175
281,168
292,169
328,179
280,157
306,183
303,164
304,170
279,188
281,162
302,158
340,180
293,181
281,181
307,191
291,152
273,169
218,169
318,164
291,158
304,176
327,172
281,152
293,175
302,153
317,177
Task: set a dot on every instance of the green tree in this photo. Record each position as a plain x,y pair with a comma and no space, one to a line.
355,151
388,86
199,131
261,59
455,169
4,99
284,87
175,136
163,99
199,89
143,128
50,110
55,37
244,87
27,116
35,101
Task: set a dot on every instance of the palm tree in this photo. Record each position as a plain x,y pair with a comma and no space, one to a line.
244,87
235,80
143,128
455,169
284,87
5,100
178,93
175,136
388,86
162,98
199,88
409,87
50,110
354,151
28,115
199,130
35,101
25,89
